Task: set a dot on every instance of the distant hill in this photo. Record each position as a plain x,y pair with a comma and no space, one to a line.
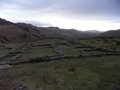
69,34
11,32
21,32
4,22
93,33
112,33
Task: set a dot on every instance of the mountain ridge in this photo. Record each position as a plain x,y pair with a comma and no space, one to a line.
111,33
22,32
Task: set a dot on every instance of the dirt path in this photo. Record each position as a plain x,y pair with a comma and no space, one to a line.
5,66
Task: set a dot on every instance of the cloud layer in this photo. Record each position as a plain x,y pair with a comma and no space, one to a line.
36,10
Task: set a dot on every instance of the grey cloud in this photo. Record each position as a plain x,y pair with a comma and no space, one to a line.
90,8
72,6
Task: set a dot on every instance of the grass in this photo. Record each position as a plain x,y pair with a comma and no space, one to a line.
38,52
68,50
5,48
3,52
44,41
97,73
88,73
107,43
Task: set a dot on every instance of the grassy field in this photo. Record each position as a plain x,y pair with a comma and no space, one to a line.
38,51
68,50
96,73
78,73
103,42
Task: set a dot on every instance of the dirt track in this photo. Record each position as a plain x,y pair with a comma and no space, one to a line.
5,66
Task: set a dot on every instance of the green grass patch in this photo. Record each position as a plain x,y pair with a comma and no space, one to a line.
38,52
97,73
68,50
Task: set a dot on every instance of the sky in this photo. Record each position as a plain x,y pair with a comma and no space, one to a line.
70,14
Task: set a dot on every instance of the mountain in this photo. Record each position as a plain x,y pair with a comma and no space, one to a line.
112,33
93,33
20,32
4,22
11,32
68,34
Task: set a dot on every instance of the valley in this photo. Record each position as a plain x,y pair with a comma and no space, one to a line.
50,64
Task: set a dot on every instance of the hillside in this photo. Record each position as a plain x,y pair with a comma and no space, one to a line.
68,34
20,32
112,33
11,32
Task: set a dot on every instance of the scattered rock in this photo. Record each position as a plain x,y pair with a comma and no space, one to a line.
20,87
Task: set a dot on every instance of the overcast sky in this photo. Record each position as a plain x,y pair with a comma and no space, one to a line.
78,14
